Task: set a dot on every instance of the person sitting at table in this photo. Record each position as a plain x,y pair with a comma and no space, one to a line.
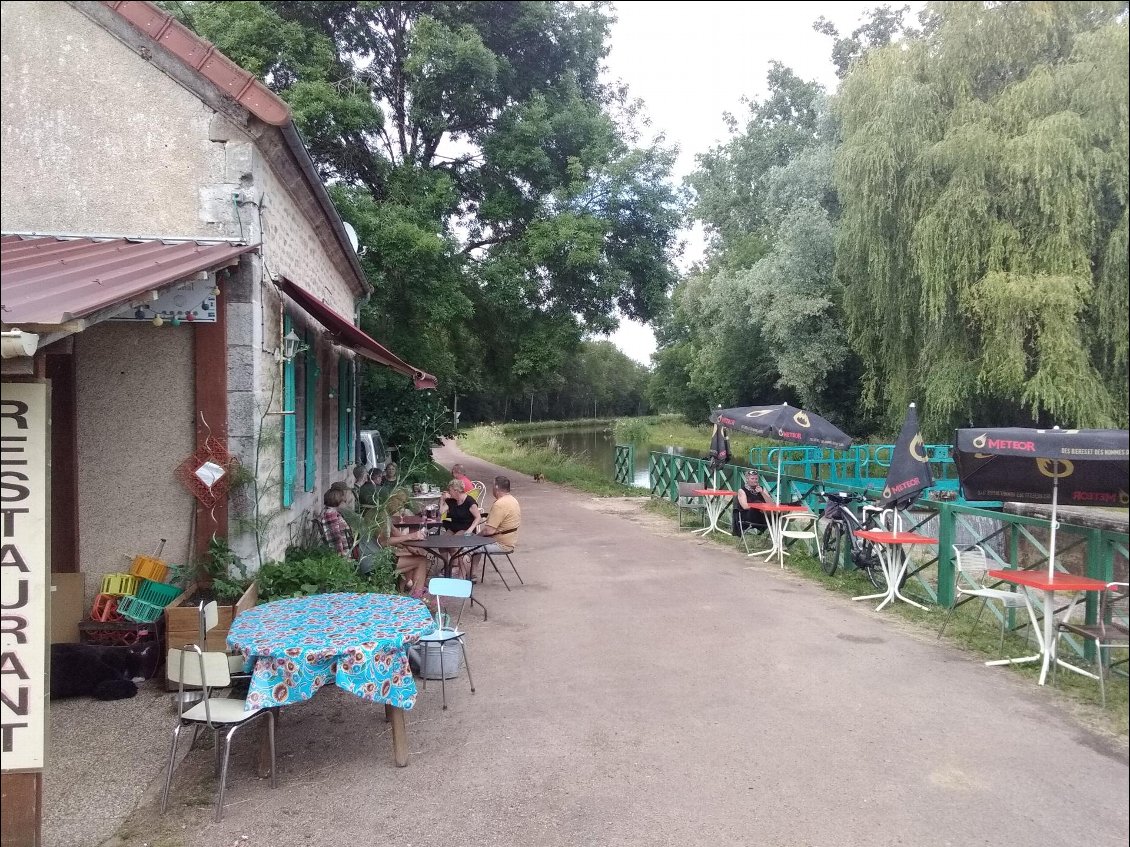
459,513
459,472
744,516
502,523
360,475
411,564
335,529
369,492
389,477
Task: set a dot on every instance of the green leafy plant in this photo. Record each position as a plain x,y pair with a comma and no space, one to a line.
318,570
219,570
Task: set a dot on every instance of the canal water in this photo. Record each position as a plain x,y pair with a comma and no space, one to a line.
596,446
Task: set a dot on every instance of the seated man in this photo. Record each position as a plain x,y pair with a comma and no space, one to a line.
335,530
744,517
502,523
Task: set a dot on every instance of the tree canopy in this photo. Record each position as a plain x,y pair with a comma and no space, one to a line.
950,228
502,193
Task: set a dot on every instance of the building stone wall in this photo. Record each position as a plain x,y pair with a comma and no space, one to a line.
134,411
95,139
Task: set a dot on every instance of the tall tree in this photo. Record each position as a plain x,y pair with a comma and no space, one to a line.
499,187
983,241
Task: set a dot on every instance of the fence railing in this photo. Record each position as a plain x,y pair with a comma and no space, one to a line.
861,461
624,464
1013,541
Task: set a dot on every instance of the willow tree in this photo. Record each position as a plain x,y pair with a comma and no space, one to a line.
983,238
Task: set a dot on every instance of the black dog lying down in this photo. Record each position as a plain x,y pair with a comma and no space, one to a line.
104,673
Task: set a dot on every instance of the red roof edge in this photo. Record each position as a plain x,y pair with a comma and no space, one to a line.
354,337
242,86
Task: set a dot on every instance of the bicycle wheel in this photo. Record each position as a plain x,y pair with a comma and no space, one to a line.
830,560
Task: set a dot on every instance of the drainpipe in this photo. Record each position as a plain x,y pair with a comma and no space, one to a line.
17,343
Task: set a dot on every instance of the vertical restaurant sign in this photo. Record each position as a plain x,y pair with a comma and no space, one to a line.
24,573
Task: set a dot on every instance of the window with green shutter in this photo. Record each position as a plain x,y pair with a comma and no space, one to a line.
342,412
310,406
289,441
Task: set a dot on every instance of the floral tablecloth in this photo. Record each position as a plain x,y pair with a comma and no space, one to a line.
357,641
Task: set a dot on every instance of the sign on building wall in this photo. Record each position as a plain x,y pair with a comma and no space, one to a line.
24,572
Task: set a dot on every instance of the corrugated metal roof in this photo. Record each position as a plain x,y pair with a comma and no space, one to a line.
352,336
242,86
49,281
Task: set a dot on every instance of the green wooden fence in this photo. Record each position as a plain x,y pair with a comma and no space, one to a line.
1013,541
624,469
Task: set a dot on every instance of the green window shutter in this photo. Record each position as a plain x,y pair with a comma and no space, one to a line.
310,406
289,444
351,434
342,412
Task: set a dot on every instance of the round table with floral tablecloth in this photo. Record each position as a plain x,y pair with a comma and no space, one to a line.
358,642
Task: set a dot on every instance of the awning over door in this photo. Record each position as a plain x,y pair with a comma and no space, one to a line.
352,337
49,281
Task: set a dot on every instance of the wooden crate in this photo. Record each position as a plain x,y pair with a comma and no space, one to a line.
182,623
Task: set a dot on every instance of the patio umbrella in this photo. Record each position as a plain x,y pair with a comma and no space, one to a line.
909,471
1028,465
719,449
784,423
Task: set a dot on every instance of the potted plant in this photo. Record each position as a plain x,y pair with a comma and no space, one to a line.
218,575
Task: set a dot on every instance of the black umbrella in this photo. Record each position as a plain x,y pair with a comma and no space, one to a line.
719,448
1028,465
909,471
785,423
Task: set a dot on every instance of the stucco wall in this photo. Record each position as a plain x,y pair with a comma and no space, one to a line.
94,138
135,407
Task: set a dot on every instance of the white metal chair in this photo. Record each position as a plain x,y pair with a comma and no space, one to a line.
224,716
1110,630
209,620
972,568
688,501
798,526
478,491
459,589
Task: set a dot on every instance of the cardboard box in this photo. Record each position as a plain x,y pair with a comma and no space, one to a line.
68,606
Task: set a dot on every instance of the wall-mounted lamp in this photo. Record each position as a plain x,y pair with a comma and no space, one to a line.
290,345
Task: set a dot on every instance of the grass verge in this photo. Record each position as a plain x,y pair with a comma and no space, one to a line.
495,444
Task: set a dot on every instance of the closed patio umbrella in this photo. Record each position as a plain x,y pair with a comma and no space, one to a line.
1077,467
784,423
719,450
909,471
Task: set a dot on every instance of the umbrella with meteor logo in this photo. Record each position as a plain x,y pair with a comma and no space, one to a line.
909,472
784,423
1077,467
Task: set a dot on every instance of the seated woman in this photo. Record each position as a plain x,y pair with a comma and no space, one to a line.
335,531
389,479
411,564
744,517
459,513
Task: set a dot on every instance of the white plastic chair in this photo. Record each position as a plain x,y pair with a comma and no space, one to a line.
973,568
459,589
192,666
799,526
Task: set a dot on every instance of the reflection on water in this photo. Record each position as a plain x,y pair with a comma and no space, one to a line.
596,447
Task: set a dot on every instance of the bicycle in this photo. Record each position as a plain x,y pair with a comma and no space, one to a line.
840,524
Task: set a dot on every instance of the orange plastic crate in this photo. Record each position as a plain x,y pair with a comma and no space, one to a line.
149,567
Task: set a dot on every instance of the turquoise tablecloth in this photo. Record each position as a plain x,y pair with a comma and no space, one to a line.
359,642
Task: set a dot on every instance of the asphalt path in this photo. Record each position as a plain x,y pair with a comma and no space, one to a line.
646,688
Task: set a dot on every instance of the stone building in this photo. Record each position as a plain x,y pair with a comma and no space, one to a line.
166,239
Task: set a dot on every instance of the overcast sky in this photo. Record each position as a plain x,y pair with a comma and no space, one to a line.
690,62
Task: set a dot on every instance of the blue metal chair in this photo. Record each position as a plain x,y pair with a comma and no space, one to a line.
459,589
